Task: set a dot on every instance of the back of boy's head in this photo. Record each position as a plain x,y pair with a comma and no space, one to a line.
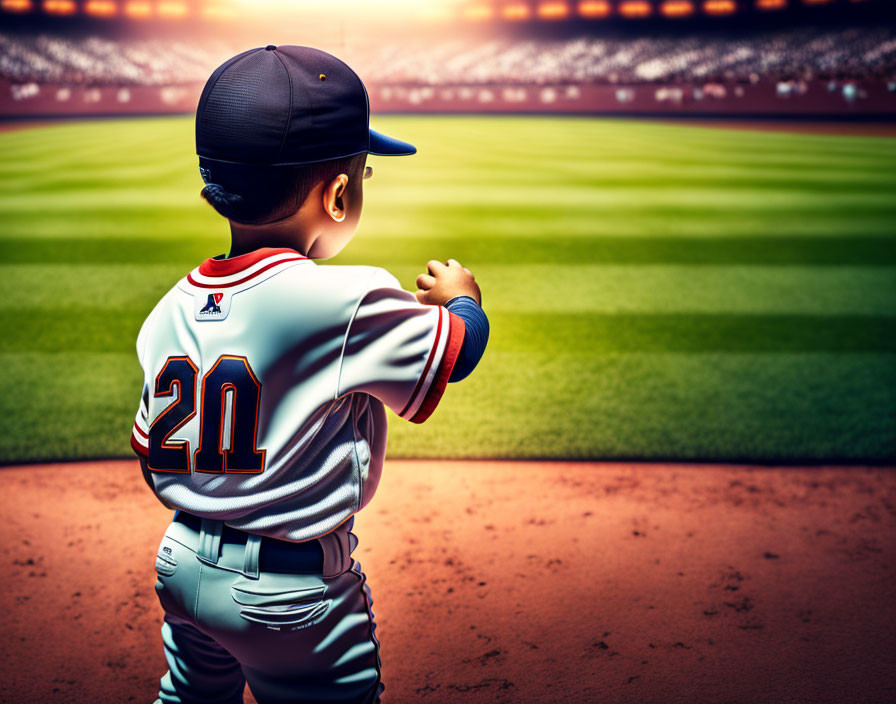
259,195
272,123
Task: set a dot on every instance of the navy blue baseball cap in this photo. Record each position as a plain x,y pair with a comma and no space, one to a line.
286,106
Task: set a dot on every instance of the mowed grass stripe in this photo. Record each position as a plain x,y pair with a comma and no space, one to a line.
651,146
655,291
385,251
549,168
69,329
72,405
549,133
671,186
607,139
542,288
690,158
733,407
665,288
199,224
640,250
603,178
67,161
49,181
747,407
592,198
63,141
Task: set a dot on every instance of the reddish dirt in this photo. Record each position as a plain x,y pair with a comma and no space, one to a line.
24,125
505,582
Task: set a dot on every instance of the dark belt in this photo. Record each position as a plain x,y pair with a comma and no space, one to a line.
274,555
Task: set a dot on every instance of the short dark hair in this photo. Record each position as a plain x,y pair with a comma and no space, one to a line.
258,195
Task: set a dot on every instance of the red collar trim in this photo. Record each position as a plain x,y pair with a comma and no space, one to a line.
229,267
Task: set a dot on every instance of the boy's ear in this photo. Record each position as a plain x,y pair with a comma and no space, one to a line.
332,198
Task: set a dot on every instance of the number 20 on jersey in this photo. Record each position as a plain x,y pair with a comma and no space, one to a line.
230,379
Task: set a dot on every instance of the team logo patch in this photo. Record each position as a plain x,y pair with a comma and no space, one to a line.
211,306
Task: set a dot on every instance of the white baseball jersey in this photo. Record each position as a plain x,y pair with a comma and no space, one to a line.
265,379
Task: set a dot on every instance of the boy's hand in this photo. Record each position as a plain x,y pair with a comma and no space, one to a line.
446,281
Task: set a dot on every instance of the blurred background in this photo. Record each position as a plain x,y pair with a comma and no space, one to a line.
681,213
743,57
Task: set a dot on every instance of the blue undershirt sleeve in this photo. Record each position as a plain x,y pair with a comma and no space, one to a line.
475,337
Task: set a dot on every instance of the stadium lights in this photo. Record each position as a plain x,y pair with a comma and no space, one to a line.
516,12
771,4
478,12
101,8
633,9
172,10
138,9
553,10
60,7
677,8
595,9
719,7
218,12
16,5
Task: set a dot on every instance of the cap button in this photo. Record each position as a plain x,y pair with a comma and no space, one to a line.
270,47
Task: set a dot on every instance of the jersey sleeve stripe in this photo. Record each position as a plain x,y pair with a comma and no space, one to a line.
139,446
140,432
423,381
455,340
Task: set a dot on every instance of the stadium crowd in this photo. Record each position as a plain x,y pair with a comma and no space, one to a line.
794,54
786,55
44,58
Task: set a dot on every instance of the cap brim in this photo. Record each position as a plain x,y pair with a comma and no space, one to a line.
381,145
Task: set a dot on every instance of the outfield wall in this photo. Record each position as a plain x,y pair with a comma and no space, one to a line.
55,100
769,98
764,98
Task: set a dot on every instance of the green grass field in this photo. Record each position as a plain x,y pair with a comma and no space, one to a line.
655,291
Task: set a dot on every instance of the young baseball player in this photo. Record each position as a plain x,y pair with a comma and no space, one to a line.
262,420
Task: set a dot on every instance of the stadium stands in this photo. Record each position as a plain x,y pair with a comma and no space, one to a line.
807,53
802,53
844,63
44,58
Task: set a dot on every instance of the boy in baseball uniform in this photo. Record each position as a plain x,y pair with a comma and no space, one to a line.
262,420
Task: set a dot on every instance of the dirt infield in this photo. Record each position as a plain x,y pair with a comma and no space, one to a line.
505,582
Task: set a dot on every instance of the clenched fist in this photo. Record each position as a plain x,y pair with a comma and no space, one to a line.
446,281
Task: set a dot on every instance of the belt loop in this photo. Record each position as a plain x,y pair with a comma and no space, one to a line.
210,540
250,556
336,547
